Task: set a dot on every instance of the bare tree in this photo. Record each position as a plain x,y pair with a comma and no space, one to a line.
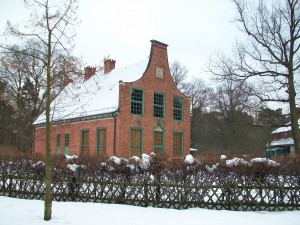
178,73
52,26
271,55
198,93
234,103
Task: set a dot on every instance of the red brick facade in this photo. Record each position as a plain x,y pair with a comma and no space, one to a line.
156,79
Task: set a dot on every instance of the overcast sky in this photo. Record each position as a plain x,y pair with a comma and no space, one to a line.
122,29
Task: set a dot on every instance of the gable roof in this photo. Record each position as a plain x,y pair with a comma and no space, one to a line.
96,96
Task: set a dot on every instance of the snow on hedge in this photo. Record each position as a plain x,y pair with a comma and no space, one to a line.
237,162
189,159
264,160
71,157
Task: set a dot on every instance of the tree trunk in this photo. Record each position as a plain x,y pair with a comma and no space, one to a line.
48,200
294,113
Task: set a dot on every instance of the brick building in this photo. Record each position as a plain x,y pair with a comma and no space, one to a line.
122,111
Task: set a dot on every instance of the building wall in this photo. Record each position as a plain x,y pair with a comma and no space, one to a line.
150,83
74,130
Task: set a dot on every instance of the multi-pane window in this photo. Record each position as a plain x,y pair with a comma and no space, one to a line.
177,144
57,150
159,102
67,143
101,144
158,140
85,141
137,98
136,141
177,108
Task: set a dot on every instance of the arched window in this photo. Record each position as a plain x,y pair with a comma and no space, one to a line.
158,140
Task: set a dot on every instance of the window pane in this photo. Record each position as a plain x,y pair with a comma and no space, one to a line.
57,150
158,138
158,141
85,141
177,144
57,140
135,142
177,108
158,110
101,144
137,101
67,140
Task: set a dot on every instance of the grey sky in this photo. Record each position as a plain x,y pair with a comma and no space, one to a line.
193,29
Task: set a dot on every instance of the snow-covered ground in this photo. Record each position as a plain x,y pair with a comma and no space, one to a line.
30,212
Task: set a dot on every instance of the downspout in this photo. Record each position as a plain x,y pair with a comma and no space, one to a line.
33,141
115,131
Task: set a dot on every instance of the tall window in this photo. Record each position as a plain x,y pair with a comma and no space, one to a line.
177,144
101,144
57,150
67,143
159,102
85,141
136,141
137,99
158,140
177,108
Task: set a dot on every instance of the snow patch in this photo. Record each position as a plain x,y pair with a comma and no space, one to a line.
237,162
265,160
189,159
71,157
145,162
223,157
38,164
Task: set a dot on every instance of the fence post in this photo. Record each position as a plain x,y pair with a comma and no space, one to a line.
146,189
158,188
72,188
9,185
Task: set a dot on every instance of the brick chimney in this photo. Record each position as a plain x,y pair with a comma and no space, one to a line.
89,72
109,65
159,54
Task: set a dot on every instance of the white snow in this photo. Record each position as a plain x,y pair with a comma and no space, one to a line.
283,142
265,160
136,158
30,212
98,95
145,161
223,157
236,162
189,159
284,129
115,159
71,157
74,167
39,163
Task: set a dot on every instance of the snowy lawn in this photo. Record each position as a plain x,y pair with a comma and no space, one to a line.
30,212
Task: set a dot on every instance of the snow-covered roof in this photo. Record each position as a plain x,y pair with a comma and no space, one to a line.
283,142
95,96
284,129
